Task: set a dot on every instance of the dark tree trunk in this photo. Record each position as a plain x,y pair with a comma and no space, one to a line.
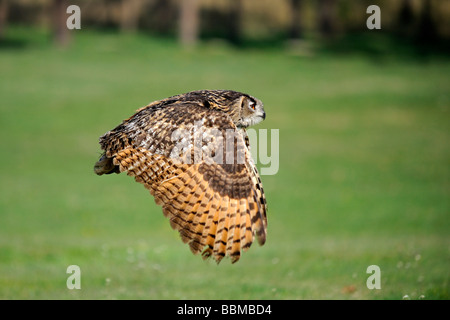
405,21
3,17
296,29
427,31
235,21
327,18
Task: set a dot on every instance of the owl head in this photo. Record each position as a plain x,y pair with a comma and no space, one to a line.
243,109
251,111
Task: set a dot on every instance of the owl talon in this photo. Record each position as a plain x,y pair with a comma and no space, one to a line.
105,165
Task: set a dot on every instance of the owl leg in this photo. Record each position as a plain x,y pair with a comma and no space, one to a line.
105,165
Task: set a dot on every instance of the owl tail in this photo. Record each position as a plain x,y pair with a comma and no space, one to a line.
105,165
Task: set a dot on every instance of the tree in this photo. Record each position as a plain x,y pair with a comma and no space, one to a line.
129,15
235,21
427,31
405,19
3,17
327,18
61,34
296,29
188,22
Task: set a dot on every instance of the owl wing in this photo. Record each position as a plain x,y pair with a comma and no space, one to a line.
214,198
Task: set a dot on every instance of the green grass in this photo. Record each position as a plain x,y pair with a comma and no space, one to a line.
363,179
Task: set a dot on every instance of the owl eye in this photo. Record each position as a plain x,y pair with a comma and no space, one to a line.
252,105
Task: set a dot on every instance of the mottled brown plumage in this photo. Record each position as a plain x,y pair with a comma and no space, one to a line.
191,152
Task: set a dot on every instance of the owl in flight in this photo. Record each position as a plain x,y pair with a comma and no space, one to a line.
191,151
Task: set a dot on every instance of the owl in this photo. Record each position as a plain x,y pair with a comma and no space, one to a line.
192,152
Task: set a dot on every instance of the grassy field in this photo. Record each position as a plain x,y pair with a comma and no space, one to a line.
364,175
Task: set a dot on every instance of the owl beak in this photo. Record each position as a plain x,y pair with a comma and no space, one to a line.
264,115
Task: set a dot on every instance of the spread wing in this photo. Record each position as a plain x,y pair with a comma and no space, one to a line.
198,167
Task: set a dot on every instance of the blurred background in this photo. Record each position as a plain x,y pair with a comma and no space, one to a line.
364,128
245,23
